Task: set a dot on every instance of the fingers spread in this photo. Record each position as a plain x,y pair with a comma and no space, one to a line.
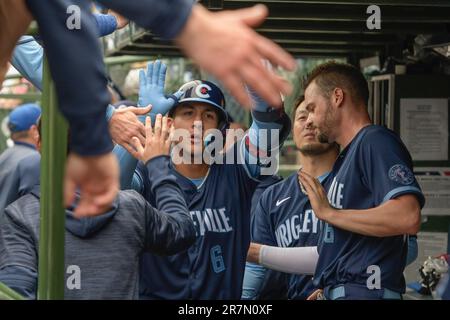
252,75
148,129
165,128
155,74
142,78
149,72
158,125
275,54
162,75
237,89
252,16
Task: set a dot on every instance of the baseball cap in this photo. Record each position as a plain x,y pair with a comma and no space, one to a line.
206,92
23,117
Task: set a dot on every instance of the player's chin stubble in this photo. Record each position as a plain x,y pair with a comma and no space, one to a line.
323,137
324,131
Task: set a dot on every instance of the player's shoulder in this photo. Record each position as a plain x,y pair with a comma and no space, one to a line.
268,181
30,162
374,131
375,136
25,210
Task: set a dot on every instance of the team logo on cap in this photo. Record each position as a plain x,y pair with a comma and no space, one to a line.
401,174
202,91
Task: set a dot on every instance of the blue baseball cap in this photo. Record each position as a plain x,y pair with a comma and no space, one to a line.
206,92
23,117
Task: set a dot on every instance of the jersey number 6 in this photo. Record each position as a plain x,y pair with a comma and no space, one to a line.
216,259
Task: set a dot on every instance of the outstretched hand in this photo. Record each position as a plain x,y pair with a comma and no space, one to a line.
317,196
225,45
157,139
151,88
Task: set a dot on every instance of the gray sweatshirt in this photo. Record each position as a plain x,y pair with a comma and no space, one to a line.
8,180
101,253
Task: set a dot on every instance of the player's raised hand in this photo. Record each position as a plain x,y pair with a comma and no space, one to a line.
225,45
317,196
151,88
157,139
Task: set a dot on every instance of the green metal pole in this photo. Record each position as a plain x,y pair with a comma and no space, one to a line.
52,230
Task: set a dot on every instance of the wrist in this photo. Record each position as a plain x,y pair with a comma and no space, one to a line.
330,215
253,253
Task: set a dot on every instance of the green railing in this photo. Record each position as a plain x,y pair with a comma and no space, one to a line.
52,213
52,229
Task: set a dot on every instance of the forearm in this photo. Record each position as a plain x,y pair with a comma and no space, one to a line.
395,217
79,78
127,164
106,24
172,227
27,58
159,16
296,260
253,279
265,136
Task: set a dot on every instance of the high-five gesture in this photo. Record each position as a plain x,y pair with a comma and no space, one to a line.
151,88
157,139
225,45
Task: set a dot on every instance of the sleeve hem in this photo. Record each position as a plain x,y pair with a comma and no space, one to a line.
395,193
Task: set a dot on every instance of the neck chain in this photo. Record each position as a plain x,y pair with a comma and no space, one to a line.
301,185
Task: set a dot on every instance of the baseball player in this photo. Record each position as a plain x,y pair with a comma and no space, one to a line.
370,199
218,195
283,216
110,243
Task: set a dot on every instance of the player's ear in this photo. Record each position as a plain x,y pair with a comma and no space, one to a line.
337,97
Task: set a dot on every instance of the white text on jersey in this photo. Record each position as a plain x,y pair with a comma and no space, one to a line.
293,227
336,194
212,220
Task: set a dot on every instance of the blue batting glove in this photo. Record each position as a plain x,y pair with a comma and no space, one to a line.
151,89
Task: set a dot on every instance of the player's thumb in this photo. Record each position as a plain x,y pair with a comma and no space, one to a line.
253,16
141,111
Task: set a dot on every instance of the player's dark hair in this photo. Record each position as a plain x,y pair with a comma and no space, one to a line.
297,103
331,75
